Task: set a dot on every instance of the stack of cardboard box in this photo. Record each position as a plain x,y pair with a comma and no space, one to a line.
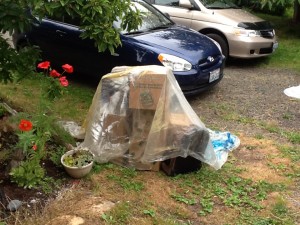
177,135
144,94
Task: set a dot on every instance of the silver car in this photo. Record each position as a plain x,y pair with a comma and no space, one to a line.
239,33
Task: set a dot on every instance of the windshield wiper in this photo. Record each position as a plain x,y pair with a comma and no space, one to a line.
232,7
214,7
161,27
135,32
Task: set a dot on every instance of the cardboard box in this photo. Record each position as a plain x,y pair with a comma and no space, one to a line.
116,128
145,91
179,119
141,124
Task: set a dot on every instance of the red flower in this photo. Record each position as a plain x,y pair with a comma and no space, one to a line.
34,147
68,68
54,73
44,65
63,81
25,125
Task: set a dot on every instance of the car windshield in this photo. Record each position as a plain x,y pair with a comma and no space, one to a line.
151,19
219,4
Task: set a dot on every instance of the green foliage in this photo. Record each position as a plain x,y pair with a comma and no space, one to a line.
2,110
26,140
180,198
273,7
78,158
126,179
120,214
207,187
291,152
280,208
149,212
96,18
36,129
14,66
107,218
29,174
281,211
56,154
13,16
207,206
293,136
98,167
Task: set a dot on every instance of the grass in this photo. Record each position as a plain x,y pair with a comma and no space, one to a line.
71,106
227,196
288,52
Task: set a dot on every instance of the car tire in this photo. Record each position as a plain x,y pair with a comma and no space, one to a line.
222,42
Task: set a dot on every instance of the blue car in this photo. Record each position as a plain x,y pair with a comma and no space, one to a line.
196,60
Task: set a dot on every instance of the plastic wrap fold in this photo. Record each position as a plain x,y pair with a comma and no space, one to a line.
139,116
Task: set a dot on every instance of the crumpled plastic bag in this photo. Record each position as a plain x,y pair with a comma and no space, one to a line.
223,143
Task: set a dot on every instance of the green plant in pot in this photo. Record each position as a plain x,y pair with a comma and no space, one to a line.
78,162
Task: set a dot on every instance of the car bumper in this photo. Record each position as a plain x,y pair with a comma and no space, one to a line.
197,80
251,47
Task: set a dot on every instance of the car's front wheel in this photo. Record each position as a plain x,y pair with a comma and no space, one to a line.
222,43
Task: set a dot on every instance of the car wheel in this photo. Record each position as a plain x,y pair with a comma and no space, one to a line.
222,42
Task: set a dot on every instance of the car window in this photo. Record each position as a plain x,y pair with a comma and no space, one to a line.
151,19
74,21
167,2
219,4
65,19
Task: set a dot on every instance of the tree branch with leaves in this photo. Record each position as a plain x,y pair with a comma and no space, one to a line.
96,16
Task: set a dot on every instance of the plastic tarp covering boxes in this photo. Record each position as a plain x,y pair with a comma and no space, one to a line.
139,117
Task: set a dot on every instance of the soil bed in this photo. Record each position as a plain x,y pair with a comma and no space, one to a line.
9,190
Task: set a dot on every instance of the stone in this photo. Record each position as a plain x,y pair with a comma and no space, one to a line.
67,220
13,205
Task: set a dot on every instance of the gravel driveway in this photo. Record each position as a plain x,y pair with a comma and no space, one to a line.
247,95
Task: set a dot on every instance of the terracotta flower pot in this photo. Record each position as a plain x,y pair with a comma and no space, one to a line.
77,167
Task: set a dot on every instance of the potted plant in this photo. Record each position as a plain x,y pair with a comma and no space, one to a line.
78,162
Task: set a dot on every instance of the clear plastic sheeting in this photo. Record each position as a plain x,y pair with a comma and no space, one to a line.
139,116
72,128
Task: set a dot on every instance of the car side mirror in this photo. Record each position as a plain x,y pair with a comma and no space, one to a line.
185,4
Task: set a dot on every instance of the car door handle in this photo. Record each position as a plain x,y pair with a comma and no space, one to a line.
60,33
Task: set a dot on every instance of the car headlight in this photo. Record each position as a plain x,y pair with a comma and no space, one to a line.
175,63
246,33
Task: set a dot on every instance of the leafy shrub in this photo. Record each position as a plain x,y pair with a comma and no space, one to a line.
264,7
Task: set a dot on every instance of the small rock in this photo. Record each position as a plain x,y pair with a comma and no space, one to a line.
33,201
67,220
13,205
